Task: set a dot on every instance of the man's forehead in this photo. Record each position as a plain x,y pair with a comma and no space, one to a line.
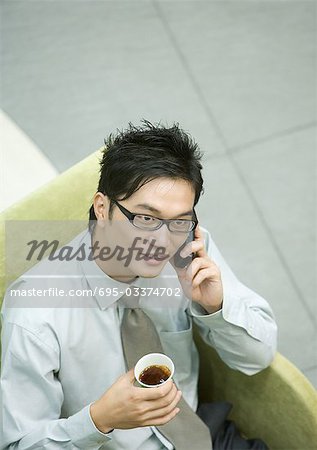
165,186
162,193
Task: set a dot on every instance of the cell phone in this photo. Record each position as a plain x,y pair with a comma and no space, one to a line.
183,262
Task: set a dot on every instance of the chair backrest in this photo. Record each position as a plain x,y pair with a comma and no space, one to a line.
67,197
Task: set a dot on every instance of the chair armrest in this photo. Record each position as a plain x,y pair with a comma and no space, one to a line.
278,405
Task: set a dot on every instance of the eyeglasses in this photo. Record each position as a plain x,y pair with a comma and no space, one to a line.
150,223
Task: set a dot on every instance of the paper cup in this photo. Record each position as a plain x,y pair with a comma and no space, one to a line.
153,359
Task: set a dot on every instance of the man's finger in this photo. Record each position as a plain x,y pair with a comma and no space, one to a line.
159,411
201,252
154,393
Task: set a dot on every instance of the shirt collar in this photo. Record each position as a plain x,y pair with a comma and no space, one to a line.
99,281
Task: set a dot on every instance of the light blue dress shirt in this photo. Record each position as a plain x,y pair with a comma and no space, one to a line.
59,354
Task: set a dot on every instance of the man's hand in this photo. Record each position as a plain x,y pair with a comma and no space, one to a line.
201,279
125,406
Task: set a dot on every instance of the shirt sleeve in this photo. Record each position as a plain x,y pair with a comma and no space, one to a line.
32,397
244,331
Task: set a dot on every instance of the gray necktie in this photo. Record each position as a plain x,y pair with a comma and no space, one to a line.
139,337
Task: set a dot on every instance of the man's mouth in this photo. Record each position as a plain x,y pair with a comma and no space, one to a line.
154,257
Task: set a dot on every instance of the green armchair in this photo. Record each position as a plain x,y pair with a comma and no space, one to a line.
278,405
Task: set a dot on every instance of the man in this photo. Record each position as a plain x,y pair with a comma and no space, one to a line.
66,377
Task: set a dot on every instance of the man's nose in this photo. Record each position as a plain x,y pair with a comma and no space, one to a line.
161,236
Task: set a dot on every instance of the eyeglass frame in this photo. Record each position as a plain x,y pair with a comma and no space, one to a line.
130,216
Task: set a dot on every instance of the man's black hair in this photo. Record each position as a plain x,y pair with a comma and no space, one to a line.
137,155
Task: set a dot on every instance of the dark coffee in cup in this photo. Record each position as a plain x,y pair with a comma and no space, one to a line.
155,374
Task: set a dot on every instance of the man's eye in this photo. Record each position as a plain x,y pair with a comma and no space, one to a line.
179,223
146,218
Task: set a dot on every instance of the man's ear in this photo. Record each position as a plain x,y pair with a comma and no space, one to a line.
101,207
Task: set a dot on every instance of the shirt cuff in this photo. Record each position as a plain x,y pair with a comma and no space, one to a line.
234,315
83,432
199,312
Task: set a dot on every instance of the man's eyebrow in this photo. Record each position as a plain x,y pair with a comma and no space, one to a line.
157,211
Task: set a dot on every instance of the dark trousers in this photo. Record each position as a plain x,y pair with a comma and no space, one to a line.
224,433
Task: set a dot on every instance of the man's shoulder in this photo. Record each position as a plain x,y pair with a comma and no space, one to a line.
41,271
31,299
63,260
23,325
17,307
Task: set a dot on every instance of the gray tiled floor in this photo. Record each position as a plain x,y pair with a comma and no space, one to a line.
280,176
239,75
80,72
251,60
